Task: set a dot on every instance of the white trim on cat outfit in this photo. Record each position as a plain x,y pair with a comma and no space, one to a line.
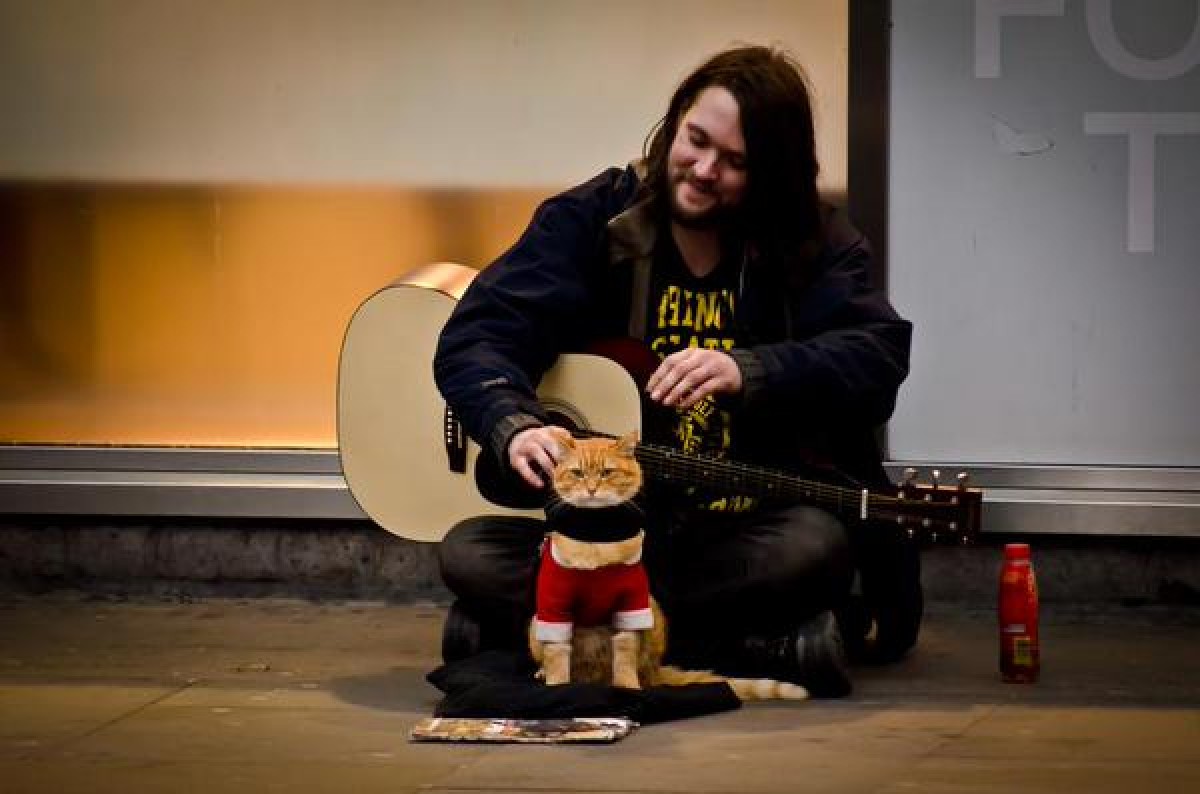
629,620
634,620
545,631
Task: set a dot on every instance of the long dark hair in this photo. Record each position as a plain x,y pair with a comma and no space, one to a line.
779,216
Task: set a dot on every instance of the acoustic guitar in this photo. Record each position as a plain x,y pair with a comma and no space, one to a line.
415,473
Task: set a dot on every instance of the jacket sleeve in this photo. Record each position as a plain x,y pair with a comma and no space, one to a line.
518,314
848,351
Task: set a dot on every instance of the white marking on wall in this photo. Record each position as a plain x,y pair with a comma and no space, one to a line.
1108,45
1014,141
988,15
1142,129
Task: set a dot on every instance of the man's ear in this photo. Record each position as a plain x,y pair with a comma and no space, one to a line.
627,443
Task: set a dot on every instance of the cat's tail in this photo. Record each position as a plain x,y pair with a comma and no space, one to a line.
744,688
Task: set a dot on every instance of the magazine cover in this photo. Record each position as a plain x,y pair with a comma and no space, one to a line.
578,729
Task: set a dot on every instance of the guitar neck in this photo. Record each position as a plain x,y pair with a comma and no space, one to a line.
672,466
668,465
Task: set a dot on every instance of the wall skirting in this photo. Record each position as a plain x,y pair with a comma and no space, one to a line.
308,484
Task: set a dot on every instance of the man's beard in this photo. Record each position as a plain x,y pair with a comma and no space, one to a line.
718,216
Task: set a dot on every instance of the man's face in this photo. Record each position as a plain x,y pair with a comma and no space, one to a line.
706,165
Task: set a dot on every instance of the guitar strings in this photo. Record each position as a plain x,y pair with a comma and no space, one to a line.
668,462
765,481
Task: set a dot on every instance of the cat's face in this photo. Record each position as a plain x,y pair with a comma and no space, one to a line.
598,472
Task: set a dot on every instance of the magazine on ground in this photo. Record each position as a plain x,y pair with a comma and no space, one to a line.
549,731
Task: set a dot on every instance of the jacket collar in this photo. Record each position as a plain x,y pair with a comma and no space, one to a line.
633,232
632,235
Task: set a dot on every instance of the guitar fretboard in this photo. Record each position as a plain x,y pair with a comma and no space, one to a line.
670,465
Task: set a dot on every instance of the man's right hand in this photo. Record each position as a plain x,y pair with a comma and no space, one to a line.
535,451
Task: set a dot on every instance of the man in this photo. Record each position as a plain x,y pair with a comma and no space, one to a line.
716,252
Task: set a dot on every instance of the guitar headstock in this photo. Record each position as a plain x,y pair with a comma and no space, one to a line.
936,511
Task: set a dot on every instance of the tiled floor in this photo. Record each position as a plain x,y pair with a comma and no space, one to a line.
223,696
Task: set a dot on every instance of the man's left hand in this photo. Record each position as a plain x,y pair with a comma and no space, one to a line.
688,376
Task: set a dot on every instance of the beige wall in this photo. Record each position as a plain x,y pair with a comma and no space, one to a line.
207,315
413,92
194,196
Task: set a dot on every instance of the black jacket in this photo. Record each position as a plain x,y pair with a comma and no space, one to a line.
824,356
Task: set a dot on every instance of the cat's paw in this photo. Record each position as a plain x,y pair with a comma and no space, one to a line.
626,680
556,664
556,680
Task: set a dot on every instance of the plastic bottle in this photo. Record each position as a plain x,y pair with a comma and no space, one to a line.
1020,660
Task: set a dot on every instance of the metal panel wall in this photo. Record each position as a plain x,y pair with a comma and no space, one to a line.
1045,175
1044,161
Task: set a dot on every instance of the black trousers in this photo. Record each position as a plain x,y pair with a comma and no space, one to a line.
717,579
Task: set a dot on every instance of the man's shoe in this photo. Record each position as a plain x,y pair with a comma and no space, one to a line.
856,625
462,636
812,656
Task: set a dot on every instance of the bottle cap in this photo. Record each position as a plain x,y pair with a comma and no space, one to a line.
1016,551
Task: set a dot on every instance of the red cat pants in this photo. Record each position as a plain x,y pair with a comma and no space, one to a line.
616,595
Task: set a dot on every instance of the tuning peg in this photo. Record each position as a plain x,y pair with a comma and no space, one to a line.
963,479
935,475
910,476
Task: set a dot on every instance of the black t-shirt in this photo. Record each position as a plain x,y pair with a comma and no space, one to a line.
686,311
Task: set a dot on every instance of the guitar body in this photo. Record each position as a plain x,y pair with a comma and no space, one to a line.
413,471
391,423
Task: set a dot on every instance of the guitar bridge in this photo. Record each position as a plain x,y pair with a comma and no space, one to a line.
455,439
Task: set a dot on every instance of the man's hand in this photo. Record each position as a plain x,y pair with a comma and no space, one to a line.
688,376
536,450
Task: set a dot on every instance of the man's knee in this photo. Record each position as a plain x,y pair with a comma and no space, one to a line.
817,535
483,557
815,550
458,553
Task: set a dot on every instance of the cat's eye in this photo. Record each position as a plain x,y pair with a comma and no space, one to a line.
576,472
607,472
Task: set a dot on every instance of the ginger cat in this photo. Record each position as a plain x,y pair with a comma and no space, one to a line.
596,530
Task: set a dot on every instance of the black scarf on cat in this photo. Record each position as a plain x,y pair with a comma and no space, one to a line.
595,524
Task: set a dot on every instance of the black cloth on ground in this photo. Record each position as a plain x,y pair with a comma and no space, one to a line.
499,684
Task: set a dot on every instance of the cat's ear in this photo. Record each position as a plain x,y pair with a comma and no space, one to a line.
627,443
563,436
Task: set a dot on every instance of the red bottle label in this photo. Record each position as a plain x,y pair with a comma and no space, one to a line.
1018,614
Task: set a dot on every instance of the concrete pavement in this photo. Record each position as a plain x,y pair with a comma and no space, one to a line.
277,695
